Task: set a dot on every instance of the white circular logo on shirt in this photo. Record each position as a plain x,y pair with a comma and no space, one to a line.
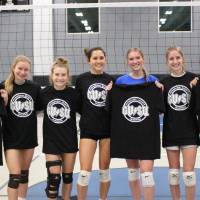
58,111
97,94
135,109
21,105
179,97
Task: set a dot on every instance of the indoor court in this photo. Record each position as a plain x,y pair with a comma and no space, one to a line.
46,29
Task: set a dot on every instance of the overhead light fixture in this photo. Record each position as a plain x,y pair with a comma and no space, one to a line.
163,20
79,14
84,22
168,12
88,28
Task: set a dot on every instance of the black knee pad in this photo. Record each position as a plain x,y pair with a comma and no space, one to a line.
67,178
53,182
50,164
24,176
14,180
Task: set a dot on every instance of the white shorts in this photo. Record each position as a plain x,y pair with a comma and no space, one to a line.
175,148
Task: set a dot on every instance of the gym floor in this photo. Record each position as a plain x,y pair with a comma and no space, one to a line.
119,189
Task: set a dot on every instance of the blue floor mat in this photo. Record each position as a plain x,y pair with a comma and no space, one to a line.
119,187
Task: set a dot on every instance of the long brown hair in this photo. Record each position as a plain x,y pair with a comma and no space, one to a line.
11,77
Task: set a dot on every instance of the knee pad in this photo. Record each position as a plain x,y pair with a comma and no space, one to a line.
84,178
53,163
24,176
133,174
173,176
67,178
189,178
104,175
53,182
14,181
147,179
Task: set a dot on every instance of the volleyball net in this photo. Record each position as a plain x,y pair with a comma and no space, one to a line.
44,30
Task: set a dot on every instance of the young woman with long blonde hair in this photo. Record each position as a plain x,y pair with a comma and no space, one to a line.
20,126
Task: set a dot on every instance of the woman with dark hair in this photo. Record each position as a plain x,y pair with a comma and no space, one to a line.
94,122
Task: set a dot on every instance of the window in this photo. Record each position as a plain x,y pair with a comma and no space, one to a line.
83,20
175,18
14,2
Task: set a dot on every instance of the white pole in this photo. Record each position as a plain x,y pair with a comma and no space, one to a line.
42,38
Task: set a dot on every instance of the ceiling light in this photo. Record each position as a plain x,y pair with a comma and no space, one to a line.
168,12
163,20
84,22
88,28
79,14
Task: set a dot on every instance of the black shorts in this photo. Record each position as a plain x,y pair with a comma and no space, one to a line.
93,137
57,146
